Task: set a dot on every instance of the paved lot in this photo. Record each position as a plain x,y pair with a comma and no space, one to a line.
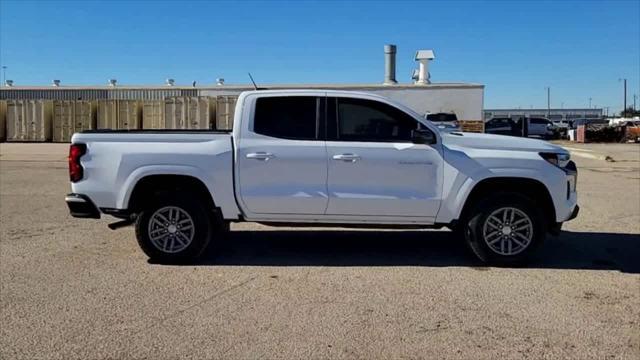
71,288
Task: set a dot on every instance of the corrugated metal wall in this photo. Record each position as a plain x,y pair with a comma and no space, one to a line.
94,94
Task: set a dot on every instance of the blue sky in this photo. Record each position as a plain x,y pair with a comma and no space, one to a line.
516,48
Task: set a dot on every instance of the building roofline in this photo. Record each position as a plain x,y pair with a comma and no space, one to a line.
248,87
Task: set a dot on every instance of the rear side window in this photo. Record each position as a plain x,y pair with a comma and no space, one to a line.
288,117
367,120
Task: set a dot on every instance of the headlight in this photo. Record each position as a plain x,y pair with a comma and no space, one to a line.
557,159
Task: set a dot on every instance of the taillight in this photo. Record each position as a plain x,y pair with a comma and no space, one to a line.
76,172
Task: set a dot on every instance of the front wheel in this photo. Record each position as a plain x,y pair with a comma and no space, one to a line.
174,229
504,228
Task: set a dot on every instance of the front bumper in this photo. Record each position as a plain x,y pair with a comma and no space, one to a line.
81,206
574,213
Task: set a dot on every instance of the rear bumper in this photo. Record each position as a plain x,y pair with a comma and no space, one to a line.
81,206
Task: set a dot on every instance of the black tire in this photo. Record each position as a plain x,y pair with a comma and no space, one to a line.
202,228
475,224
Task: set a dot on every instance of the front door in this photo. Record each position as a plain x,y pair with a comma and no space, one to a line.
282,159
374,167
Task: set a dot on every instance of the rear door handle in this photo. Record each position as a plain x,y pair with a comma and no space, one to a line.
347,157
264,156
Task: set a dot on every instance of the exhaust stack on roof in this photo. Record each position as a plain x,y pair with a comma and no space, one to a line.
424,56
390,65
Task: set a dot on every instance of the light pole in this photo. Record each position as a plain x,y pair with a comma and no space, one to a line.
4,74
589,103
548,101
562,105
634,102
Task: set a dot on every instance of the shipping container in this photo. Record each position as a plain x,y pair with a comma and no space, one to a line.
3,119
107,114
200,112
129,114
189,112
153,115
225,111
29,120
119,114
175,113
70,117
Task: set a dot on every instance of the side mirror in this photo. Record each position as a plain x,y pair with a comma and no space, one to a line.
423,136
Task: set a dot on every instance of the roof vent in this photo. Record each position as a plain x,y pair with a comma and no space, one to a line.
8,83
390,65
56,83
170,82
424,56
112,82
220,81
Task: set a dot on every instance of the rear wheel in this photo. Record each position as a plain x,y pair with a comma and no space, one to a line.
174,229
504,228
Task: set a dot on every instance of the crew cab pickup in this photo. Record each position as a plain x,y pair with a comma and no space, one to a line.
309,157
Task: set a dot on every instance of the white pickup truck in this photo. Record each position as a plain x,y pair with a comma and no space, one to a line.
310,157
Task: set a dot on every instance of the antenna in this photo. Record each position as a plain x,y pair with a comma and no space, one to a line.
254,83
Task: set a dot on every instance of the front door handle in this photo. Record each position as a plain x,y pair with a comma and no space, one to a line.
264,156
347,157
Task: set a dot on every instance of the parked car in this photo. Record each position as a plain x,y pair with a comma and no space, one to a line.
541,127
322,157
500,126
444,121
562,124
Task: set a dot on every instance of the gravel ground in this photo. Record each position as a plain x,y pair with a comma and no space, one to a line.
71,288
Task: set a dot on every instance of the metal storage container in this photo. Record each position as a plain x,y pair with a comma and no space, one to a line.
153,115
200,112
3,119
189,112
70,117
29,120
107,114
225,111
119,114
175,112
129,114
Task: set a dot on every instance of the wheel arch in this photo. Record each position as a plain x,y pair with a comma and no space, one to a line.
533,189
150,186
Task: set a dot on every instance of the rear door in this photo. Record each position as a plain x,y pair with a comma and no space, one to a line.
375,170
281,156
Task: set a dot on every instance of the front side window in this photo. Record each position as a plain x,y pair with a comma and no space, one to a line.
287,117
367,120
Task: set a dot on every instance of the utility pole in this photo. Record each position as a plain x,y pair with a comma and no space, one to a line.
548,101
624,108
